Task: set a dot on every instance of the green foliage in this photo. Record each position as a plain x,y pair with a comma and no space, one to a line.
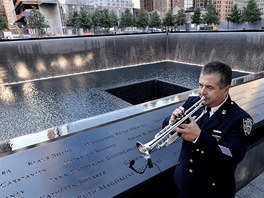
211,17
126,19
3,23
251,13
73,20
105,19
196,18
96,19
235,16
154,20
169,19
36,20
142,20
180,18
84,19
114,19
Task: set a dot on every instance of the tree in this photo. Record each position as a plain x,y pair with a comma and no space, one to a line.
169,19
105,20
196,18
180,18
84,19
251,13
36,20
235,16
126,19
154,20
114,19
211,17
3,23
142,19
96,19
73,20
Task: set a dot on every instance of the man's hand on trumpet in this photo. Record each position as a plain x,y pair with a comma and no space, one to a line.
188,131
176,115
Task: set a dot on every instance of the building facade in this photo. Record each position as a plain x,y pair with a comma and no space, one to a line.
243,3
22,9
136,4
162,7
116,6
149,5
2,9
56,11
224,8
7,11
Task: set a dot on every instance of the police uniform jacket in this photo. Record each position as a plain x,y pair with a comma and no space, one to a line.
206,168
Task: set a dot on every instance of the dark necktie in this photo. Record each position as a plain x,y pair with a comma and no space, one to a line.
206,116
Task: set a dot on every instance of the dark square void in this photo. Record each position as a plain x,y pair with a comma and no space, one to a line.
146,91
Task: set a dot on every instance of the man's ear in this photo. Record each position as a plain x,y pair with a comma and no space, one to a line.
227,88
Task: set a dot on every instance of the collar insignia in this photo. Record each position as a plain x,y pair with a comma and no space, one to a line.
217,131
217,135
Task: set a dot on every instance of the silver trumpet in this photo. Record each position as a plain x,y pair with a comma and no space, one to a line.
168,135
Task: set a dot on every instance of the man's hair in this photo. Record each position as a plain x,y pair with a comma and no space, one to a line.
220,68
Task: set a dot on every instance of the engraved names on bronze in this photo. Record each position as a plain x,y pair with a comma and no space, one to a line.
94,163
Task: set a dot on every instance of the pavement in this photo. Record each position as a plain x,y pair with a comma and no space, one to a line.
254,189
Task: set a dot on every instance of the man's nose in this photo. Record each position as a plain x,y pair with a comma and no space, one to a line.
203,90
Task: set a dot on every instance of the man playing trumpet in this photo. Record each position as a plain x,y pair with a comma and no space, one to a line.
212,147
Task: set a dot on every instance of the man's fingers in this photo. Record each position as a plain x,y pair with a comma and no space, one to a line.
175,114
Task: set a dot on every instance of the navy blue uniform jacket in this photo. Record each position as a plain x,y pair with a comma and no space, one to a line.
206,168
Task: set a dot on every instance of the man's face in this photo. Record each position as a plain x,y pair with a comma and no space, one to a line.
210,89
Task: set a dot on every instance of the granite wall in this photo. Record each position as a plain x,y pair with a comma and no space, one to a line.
22,60
241,50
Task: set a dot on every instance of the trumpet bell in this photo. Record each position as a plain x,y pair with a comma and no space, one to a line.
142,148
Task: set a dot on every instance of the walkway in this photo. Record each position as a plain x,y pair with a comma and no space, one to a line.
255,189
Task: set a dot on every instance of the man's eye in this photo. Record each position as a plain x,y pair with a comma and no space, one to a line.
209,88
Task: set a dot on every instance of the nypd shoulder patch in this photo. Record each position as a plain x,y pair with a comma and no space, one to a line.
247,125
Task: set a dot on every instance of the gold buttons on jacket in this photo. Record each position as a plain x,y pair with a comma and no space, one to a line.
191,160
213,184
202,152
190,171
